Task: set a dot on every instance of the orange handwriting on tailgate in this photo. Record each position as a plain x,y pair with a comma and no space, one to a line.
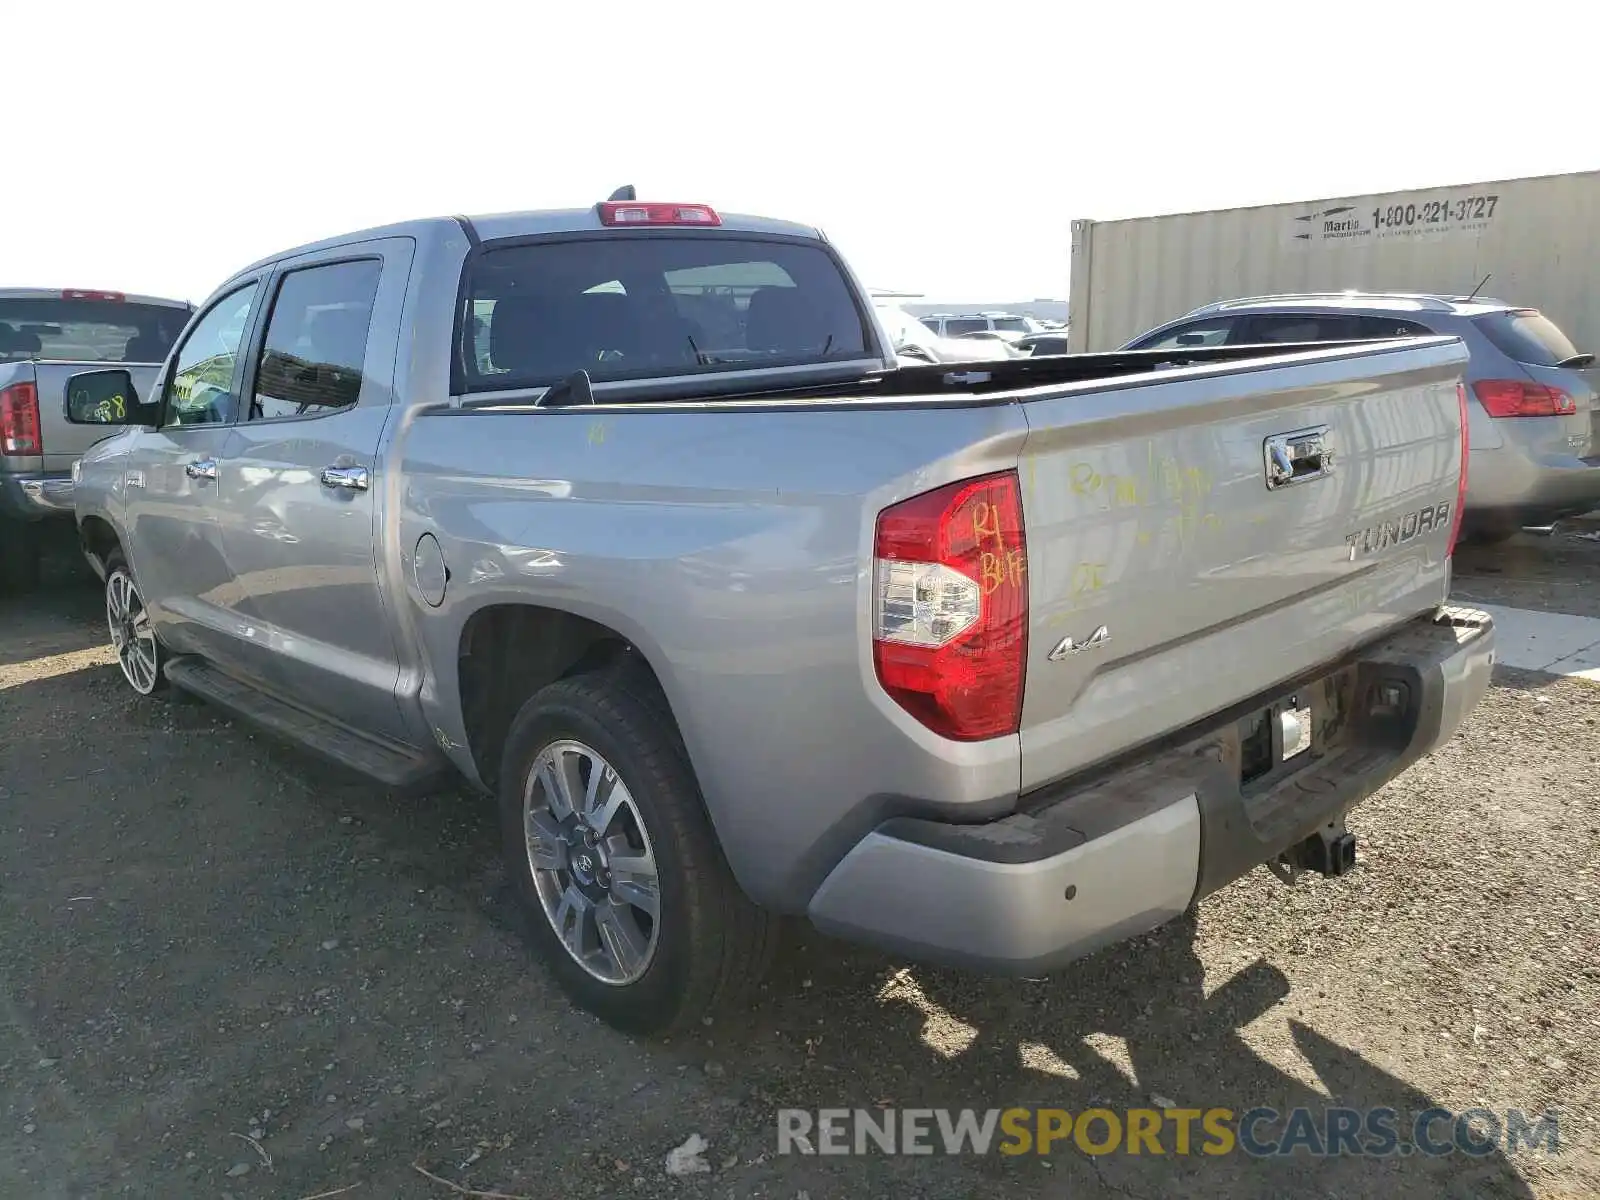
998,564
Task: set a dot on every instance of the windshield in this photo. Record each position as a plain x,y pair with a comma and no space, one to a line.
1526,335
624,306
110,331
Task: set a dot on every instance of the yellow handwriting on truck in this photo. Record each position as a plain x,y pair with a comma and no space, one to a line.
1164,478
1088,577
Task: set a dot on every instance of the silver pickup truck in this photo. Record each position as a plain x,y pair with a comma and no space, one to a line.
46,336
627,515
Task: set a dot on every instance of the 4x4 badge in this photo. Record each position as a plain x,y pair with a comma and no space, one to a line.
1068,645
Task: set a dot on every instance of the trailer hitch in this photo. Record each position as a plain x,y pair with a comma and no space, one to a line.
1330,851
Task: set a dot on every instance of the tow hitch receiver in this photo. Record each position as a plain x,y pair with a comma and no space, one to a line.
1330,851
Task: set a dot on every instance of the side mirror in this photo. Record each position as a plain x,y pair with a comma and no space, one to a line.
104,398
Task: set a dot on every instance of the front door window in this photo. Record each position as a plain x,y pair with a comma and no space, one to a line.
200,391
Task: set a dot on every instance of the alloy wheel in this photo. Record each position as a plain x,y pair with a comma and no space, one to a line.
592,862
132,637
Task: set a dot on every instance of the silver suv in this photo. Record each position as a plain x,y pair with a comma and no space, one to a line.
1007,325
1534,421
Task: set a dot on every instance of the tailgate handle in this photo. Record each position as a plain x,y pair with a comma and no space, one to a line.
1298,457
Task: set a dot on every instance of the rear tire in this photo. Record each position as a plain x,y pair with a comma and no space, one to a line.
140,654
637,838
19,557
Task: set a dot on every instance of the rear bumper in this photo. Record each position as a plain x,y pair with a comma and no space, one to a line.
35,497
1506,484
1101,861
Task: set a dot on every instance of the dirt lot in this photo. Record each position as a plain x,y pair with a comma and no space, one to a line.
225,973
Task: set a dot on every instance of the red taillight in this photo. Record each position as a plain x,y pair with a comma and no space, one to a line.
1461,484
950,607
19,420
78,294
632,212
1522,398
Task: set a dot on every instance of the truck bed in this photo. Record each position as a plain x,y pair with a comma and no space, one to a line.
730,539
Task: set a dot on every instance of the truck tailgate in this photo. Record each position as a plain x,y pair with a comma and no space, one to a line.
64,442
1168,581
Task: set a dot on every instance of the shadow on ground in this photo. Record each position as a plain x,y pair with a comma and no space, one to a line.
63,616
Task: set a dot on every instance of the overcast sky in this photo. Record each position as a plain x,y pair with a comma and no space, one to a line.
157,146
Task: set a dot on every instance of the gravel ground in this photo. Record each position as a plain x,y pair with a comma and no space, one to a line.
1557,574
225,972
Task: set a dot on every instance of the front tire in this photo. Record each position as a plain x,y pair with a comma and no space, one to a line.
140,654
630,901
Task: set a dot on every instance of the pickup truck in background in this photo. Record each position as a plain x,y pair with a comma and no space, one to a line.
45,337
627,515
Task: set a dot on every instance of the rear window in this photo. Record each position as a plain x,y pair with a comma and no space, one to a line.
623,307
956,326
87,330
1527,336
1011,324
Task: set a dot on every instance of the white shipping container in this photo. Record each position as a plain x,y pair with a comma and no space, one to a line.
1538,239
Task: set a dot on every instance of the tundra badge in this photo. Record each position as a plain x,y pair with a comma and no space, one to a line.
1399,531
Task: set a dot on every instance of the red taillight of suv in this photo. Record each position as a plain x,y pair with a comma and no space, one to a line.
19,420
1461,484
1522,398
950,607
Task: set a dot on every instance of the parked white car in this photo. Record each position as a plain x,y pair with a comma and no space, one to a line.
914,342
1009,326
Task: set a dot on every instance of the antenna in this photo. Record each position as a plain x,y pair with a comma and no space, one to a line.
1477,289
623,194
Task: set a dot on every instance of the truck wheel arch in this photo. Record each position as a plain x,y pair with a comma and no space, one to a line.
508,651
98,538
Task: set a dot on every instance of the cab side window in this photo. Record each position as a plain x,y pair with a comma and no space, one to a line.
316,343
1299,327
200,391
1197,333
1390,327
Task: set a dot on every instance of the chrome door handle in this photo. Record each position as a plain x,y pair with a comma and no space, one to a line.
350,478
1298,457
204,468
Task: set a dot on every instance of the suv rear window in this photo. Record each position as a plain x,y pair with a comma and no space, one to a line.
1526,335
111,331
634,307
957,326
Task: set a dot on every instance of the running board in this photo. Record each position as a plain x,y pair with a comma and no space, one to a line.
394,766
